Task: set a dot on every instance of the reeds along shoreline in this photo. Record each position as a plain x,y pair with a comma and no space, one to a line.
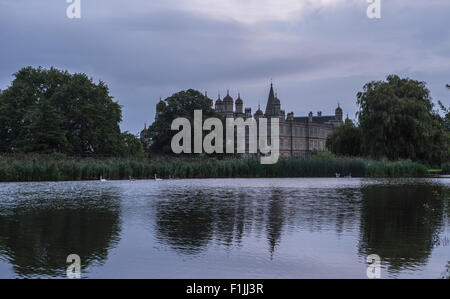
44,168
446,168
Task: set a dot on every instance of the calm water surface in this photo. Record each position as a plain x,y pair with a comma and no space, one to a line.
227,228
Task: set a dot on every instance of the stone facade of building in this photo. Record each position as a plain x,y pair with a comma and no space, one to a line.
298,135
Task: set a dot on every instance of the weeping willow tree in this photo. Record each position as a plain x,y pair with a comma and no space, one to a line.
398,121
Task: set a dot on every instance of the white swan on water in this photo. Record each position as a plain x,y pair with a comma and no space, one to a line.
102,179
156,178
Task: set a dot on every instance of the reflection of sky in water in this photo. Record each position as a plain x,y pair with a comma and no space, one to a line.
225,228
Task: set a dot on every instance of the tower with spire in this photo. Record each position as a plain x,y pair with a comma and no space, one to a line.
299,135
273,104
338,113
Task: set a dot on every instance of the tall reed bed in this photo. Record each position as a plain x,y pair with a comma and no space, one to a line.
395,169
49,168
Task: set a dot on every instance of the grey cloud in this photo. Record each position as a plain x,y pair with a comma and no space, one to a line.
144,54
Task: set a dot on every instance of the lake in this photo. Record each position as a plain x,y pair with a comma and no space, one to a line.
227,228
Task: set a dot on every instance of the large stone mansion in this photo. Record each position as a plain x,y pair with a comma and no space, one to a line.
298,135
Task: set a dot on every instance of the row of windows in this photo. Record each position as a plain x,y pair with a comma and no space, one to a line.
298,144
301,144
302,132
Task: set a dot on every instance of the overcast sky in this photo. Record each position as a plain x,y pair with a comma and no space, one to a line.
318,53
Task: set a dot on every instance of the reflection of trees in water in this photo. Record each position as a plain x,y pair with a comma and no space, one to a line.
446,273
36,238
275,219
325,209
401,223
185,225
189,220
445,195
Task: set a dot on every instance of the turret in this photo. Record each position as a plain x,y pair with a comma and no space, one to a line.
228,103
259,113
290,116
219,104
348,120
160,107
248,112
239,104
338,113
276,106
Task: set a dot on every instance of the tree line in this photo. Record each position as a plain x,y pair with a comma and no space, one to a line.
52,111
396,120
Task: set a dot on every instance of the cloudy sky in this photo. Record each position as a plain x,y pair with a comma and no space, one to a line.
318,52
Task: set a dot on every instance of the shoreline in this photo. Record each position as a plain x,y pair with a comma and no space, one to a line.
226,178
39,168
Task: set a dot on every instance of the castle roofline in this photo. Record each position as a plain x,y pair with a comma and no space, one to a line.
316,119
270,100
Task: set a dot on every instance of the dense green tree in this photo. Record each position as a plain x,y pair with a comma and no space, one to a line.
345,140
446,121
4,142
446,110
46,110
181,104
397,121
44,133
132,146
